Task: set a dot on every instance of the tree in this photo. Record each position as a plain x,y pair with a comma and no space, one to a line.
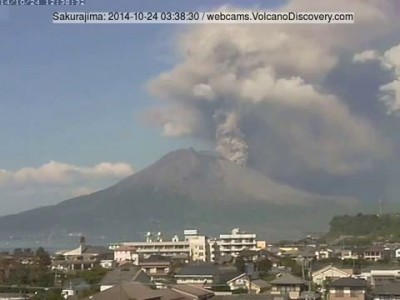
240,264
290,263
43,257
264,266
17,252
28,252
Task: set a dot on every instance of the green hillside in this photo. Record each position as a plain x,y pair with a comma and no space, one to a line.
387,226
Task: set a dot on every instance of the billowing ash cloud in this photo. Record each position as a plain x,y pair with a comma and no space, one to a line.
230,140
257,92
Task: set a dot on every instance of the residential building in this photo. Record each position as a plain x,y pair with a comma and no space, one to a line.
237,241
137,291
192,292
387,291
261,245
378,275
127,272
323,253
348,288
199,248
374,253
329,273
239,282
288,285
156,265
82,258
194,247
259,285
205,274
108,263
250,283
348,254
126,253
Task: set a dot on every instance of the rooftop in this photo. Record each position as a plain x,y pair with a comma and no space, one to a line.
349,282
288,279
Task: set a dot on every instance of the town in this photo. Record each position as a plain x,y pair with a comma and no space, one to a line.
235,265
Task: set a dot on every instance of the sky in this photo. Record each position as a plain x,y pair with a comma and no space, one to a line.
83,106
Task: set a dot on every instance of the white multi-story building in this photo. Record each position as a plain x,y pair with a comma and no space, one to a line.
236,241
193,247
126,253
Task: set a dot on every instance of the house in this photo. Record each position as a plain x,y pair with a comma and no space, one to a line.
379,274
288,285
138,291
239,282
389,290
156,265
205,274
124,273
107,263
126,253
374,253
348,254
74,287
348,288
259,285
323,253
306,254
82,258
192,292
329,273
243,281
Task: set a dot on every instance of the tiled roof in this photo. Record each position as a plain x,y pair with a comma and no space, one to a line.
389,288
288,279
128,291
136,291
125,273
192,290
349,282
260,283
204,269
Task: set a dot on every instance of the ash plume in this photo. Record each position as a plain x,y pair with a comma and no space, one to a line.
265,102
230,140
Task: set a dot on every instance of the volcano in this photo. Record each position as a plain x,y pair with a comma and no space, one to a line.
185,189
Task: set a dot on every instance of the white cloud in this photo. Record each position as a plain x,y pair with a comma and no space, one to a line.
52,182
81,191
61,173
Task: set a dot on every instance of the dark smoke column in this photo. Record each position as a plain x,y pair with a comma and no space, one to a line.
230,140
